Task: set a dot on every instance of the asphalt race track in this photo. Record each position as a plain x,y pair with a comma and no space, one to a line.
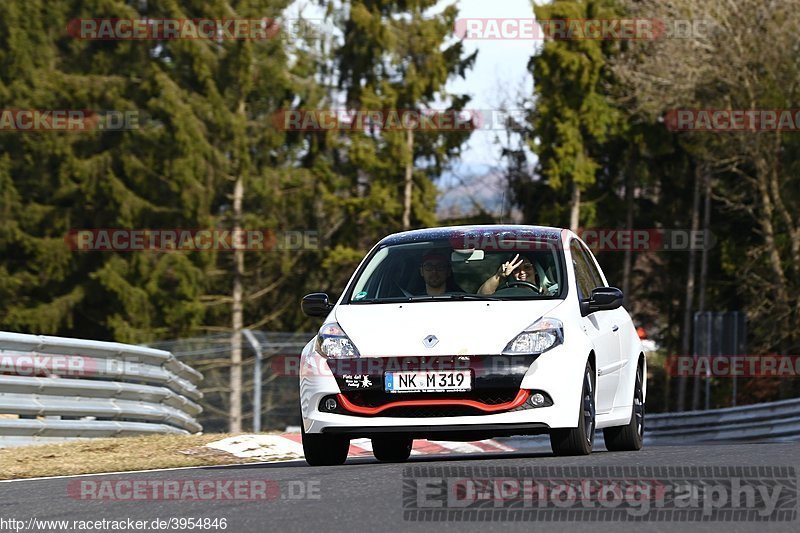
364,495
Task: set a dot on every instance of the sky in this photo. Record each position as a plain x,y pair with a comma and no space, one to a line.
499,75
498,79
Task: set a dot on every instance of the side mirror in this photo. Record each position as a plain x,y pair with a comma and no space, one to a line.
602,299
316,304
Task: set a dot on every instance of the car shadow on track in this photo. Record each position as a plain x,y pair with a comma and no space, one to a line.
366,460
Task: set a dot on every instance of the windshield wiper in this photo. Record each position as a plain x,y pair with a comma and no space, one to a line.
459,296
427,298
392,299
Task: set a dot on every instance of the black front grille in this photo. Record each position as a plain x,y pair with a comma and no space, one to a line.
378,398
427,411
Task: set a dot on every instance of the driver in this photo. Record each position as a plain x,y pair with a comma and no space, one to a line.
519,269
437,273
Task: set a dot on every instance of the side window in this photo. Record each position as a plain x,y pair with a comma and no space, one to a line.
583,273
598,278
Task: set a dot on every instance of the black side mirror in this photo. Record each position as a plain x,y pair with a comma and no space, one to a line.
316,304
602,299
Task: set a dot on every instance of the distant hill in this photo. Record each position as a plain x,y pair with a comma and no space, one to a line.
475,191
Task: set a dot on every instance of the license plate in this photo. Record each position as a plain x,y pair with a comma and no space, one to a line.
426,381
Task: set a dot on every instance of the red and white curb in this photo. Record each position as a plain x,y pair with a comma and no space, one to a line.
288,446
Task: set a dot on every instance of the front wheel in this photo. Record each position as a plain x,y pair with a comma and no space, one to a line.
579,440
324,450
630,437
392,449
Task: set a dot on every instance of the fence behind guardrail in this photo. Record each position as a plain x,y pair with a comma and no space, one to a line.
56,388
279,404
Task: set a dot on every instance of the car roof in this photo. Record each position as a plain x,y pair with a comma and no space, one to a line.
449,232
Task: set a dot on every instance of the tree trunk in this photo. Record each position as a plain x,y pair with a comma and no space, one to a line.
780,283
687,311
628,260
235,412
769,201
409,179
237,311
701,298
575,207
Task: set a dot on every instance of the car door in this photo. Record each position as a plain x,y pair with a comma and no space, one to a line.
599,326
620,324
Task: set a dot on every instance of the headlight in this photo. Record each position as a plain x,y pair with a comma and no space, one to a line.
539,337
333,342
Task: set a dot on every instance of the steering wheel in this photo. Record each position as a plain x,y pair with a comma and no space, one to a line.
518,283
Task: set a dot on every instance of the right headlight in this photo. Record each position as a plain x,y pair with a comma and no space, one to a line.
539,337
333,342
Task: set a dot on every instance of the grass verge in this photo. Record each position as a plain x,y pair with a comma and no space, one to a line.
113,455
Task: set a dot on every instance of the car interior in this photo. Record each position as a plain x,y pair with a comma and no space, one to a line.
396,274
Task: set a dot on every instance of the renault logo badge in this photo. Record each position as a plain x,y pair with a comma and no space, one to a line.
430,341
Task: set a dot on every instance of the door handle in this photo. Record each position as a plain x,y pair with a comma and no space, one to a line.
615,328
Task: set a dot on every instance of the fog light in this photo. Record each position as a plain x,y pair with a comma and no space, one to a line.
330,404
537,399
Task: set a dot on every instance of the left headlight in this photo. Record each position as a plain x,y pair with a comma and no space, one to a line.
539,337
334,343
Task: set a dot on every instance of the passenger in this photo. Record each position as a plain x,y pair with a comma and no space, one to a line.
518,269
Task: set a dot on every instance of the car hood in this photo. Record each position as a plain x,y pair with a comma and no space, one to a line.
462,327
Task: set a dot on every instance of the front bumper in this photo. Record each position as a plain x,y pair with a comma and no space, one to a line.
364,408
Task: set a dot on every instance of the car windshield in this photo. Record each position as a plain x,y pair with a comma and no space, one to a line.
434,271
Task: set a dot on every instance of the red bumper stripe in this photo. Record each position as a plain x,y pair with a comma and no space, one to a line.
521,398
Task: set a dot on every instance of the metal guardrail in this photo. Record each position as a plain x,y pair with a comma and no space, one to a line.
55,388
758,422
774,420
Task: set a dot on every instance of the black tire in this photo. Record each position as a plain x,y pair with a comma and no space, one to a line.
579,440
630,437
325,450
392,449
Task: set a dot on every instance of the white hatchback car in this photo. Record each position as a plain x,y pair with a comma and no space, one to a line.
467,333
